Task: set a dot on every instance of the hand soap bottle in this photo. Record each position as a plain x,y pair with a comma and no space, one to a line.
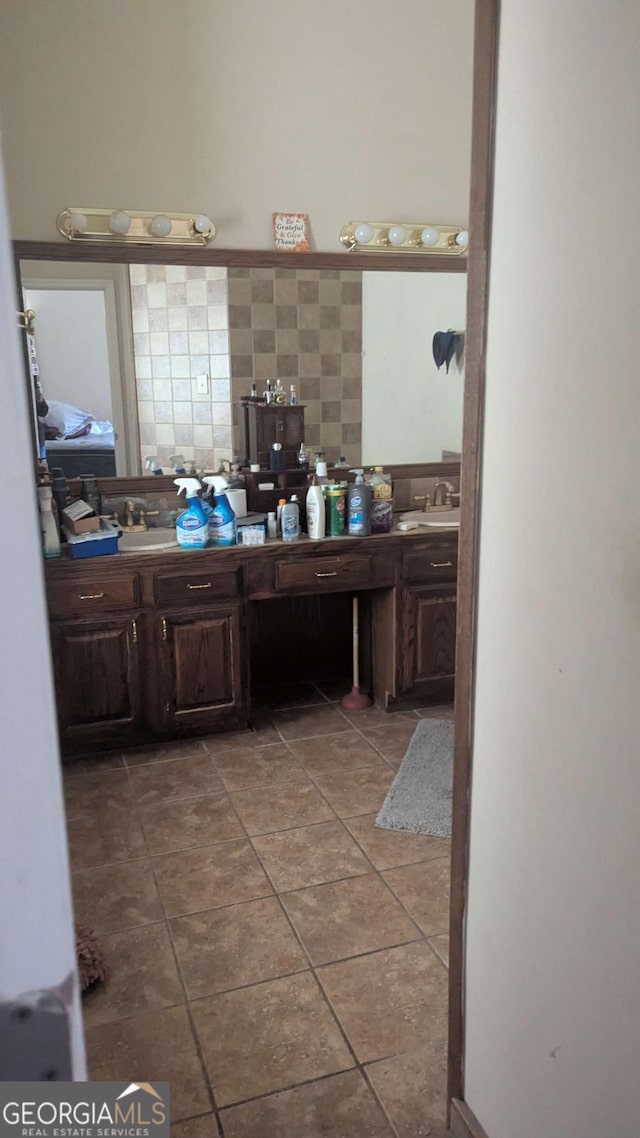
316,510
359,506
192,531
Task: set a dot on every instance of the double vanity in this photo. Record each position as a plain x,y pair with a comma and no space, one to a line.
165,644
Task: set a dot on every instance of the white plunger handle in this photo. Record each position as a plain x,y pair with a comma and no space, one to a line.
356,669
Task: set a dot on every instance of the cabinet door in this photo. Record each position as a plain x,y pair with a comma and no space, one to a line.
203,669
429,642
97,680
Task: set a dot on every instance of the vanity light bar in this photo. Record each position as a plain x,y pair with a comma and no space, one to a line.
405,237
140,227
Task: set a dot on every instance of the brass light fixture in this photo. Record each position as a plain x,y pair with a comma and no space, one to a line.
139,227
405,237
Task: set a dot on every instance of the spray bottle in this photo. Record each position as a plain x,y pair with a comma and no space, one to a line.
359,506
192,531
222,519
152,463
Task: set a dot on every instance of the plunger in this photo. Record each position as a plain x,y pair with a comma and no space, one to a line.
355,700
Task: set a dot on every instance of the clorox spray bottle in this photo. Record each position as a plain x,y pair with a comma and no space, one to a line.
222,518
192,530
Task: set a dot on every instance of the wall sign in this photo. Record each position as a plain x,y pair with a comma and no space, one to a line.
291,232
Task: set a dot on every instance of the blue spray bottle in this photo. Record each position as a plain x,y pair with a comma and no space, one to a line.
192,530
222,518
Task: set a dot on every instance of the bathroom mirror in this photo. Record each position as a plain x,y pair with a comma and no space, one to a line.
157,355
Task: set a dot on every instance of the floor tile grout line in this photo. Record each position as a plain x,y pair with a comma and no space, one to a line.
402,903
312,968
292,1087
183,985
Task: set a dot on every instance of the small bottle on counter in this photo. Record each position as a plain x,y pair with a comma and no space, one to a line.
293,398
290,520
272,525
316,510
281,502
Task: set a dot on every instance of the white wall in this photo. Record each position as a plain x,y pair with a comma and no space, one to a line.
341,109
71,341
37,949
411,411
553,942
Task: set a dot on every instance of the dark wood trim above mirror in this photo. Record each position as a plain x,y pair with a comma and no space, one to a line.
109,252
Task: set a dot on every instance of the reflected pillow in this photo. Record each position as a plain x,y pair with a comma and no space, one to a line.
68,421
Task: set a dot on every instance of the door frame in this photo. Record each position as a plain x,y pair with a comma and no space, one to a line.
487,16
78,277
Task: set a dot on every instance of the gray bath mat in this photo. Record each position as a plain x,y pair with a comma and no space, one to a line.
419,799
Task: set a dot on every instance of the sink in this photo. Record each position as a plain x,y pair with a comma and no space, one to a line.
439,518
148,541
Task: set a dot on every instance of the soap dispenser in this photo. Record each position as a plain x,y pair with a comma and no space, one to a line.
359,506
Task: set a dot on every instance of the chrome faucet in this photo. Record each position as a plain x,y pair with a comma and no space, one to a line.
447,490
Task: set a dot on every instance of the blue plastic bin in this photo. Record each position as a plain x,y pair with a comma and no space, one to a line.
98,544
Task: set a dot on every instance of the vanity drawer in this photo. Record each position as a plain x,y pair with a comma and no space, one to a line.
435,560
196,588
319,573
85,596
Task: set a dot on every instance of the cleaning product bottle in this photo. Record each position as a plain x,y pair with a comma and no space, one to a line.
222,518
321,468
178,463
152,463
359,506
316,510
50,536
192,531
281,502
237,491
290,519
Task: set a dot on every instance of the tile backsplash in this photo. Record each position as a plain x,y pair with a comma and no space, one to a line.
181,331
304,327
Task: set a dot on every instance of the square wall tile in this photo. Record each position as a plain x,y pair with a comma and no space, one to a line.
157,295
197,319
143,367
160,367
180,367
177,319
217,317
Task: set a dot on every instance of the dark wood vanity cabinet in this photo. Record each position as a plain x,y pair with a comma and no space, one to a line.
156,646
428,621
96,665
429,645
201,669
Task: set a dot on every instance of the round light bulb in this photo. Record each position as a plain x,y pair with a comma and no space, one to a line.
462,238
160,225
202,223
78,222
397,235
363,233
119,222
430,235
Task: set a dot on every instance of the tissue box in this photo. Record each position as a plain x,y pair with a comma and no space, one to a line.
80,517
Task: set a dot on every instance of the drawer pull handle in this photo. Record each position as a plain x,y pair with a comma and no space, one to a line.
333,574
90,596
441,564
207,586
134,630
164,629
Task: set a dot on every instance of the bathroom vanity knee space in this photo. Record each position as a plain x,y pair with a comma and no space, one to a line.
158,646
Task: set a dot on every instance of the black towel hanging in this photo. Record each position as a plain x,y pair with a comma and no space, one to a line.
444,345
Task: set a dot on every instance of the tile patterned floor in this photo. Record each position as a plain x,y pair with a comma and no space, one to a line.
272,954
